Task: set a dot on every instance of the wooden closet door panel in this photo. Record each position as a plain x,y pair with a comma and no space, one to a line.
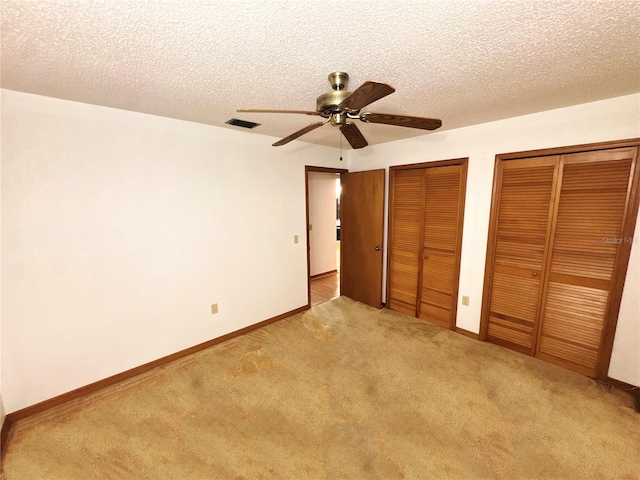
572,326
437,285
590,214
523,225
442,200
406,236
588,225
441,208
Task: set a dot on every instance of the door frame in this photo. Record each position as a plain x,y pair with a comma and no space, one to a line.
307,169
464,163
621,263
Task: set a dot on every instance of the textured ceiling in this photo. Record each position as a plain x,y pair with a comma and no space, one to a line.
464,61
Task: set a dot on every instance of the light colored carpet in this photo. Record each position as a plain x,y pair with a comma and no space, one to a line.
342,391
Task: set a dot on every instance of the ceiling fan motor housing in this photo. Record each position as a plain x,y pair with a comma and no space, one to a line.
328,103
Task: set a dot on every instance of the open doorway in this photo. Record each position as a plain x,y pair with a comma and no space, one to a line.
323,233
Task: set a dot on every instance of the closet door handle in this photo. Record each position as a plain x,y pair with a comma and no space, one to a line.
378,248
426,257
534,274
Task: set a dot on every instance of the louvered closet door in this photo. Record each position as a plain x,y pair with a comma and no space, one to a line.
406,236
441,212
524,217
587,233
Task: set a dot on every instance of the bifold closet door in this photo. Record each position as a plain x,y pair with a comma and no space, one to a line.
560,238
407,210
586,236
425,234
525,210
438,282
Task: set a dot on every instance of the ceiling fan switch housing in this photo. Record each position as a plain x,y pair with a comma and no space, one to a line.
338,118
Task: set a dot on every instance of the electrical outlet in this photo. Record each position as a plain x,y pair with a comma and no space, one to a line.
465,300
214,308
295,239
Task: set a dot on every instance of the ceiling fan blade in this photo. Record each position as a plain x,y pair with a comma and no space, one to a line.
365,94
297,134
402,120
303,112
353,135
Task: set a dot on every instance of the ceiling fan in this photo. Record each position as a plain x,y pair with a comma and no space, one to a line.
340,106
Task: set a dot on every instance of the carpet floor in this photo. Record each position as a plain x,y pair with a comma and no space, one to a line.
341,391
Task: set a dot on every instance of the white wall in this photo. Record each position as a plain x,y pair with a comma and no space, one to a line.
613,119
119,230
322,218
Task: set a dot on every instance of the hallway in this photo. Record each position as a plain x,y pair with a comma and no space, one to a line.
325,288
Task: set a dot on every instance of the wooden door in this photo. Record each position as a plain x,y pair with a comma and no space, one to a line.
442,226
426,210
559,243
361,236
407,213
586,236
520,243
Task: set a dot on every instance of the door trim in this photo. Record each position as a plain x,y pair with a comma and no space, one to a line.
307,169
463,162
624,249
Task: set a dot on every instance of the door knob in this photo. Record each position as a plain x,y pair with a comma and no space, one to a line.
378,248
535,274
426,257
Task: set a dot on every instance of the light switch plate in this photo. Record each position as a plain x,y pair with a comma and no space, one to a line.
214,308
465,300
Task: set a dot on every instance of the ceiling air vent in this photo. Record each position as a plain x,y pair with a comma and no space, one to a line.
242,123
